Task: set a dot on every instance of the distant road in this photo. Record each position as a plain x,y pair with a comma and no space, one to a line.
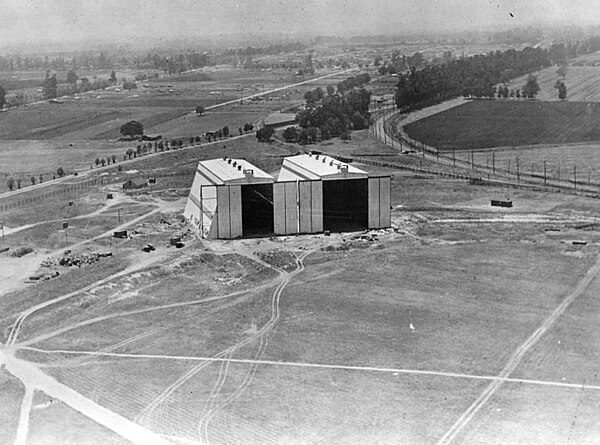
84,173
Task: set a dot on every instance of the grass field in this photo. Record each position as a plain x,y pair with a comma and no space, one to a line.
581,82
497,123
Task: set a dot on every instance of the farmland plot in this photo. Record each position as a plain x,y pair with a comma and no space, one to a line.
498,123
581,81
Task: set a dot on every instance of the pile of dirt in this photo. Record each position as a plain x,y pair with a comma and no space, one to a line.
75,260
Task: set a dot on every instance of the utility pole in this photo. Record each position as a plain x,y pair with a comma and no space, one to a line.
518,176
494,163
119,215
544,173
453,158
575,177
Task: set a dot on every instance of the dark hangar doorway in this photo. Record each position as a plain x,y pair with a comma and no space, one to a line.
346,205
257,209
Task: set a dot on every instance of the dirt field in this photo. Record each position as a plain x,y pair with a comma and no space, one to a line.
415,316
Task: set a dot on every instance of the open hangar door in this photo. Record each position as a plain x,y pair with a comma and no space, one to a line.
346,205
257,209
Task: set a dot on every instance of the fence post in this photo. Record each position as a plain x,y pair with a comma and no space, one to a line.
544,173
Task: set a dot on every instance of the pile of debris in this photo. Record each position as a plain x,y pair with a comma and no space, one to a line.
75,260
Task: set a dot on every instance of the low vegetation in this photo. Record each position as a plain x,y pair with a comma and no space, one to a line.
485,124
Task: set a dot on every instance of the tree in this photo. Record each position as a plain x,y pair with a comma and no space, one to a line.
10,183
2,97
60,172
225,131
32,180
562,89
18,183
132,128
114,158
129,153
199,110
345,136
531,88
290,134
50,86
330,90
313,134
113,77
103,162
265,134
240,131
72,77
97,162
562,71
129,85
303,136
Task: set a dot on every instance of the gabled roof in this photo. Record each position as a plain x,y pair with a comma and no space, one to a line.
137,181
317,167
232,171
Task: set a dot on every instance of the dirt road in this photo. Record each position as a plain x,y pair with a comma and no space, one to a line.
516,358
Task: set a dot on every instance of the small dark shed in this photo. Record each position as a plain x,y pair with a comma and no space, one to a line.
135,183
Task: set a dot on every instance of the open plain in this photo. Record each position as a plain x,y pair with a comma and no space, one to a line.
462,323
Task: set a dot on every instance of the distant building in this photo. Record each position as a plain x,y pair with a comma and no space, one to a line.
135,183
279,119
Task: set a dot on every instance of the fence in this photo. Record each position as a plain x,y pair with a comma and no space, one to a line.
533,180
14,202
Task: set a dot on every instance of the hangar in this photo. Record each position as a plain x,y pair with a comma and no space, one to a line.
315,192
230,198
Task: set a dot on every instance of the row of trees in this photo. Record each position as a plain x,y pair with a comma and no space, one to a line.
13,183
353,82
473,76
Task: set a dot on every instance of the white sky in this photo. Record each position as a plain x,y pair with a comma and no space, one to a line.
25,21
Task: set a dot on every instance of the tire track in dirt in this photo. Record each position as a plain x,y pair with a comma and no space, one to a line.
147,415
262,333
516,358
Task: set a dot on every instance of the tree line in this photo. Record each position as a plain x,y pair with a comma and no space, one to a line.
474,76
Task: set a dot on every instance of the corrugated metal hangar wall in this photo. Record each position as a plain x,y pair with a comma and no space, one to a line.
301,206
